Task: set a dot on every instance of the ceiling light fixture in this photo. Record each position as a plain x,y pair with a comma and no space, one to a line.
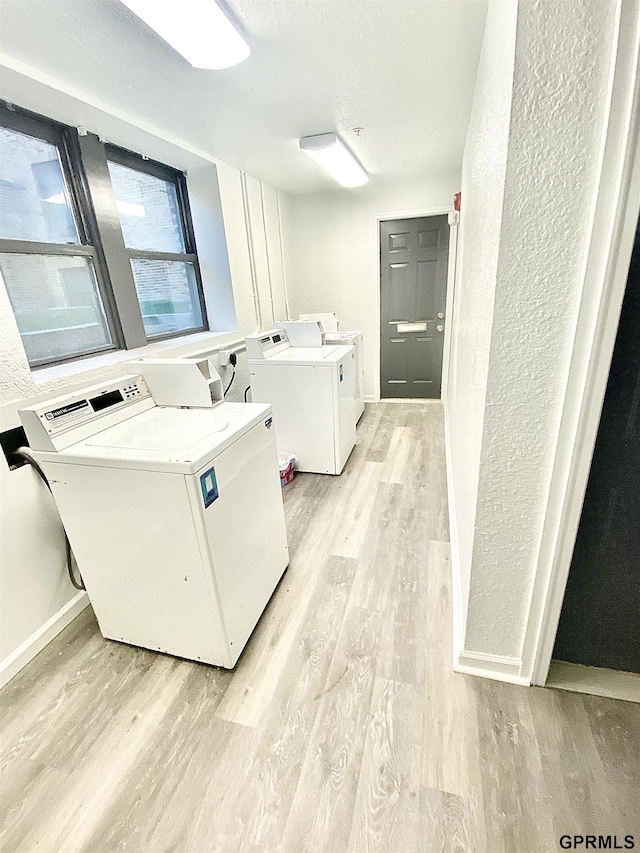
126,208
58,198
334,156
200,30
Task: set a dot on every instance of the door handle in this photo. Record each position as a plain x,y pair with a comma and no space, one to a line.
441,316
440,328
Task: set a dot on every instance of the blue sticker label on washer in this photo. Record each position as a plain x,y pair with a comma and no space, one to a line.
209,486
341,374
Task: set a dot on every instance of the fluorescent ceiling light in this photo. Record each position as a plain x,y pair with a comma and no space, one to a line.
198,29
58,198
127,208
334,156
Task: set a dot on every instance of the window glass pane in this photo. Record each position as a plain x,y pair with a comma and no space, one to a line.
148,210
34,199
168,295
57,305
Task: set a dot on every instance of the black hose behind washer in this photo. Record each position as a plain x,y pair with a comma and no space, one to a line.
24,453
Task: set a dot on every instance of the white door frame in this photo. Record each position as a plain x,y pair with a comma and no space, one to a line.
613,225
453,229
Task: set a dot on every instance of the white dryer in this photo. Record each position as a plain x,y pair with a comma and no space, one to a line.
312,392
175,516
328,319
355,339
310,330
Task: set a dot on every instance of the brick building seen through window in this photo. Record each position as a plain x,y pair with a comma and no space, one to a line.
65,294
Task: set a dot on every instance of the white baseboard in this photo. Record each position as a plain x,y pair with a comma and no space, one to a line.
18,659
472,663
456,586
491,666
416,401
371,398
594,681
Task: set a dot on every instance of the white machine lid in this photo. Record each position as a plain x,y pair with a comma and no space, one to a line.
327,355
167,439
334,337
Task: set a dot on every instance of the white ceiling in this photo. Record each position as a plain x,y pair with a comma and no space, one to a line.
403,70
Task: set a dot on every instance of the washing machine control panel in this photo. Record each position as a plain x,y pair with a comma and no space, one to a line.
46,421
262,346
271,340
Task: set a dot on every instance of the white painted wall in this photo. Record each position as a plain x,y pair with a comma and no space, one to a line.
331,251
483,176
561,83
240,287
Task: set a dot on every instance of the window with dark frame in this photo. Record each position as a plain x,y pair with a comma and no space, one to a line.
153,210
97,250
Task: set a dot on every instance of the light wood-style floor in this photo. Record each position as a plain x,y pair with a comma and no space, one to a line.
343,727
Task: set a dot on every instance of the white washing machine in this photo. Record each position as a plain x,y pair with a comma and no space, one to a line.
302,333
312,391
174,515
355,339
310,330
328,319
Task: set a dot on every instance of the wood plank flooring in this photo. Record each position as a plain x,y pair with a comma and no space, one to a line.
343,728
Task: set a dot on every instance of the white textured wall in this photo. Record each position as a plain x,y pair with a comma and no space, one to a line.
561,80
331,251
483,176
33,581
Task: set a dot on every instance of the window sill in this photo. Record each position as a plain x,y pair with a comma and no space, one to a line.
186,345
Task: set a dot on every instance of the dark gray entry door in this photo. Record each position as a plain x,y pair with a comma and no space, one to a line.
414,256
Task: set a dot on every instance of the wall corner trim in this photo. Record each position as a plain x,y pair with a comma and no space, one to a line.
497,667
40,638
613,224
